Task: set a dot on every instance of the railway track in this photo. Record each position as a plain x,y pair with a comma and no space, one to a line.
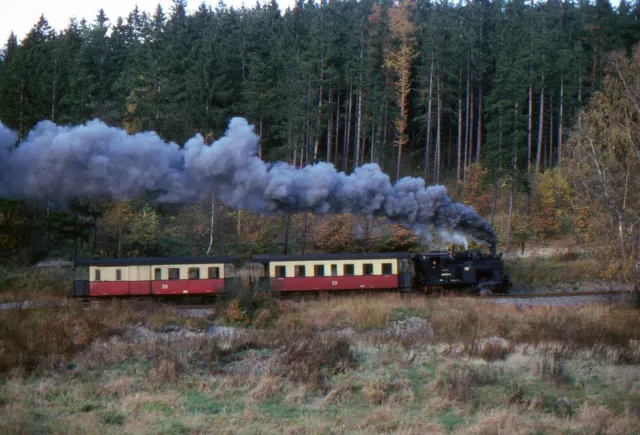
554,295
187,306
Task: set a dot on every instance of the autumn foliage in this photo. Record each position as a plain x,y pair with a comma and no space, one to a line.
551,202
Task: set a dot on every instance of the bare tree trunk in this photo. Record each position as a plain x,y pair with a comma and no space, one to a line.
337,127
356,141
330,128
623,250
293,154
347,129
467,119
496,184
530,129
307,126
459,167
540,131
471,130
560,108
580,89
316,148
373,142
213,220
359,116
428,124
436,177
549,163
514,160
239,222
53,92
479,128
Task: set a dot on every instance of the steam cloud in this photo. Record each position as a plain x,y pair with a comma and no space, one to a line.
60,162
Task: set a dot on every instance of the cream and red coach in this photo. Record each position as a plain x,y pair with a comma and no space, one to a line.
165,276
328,272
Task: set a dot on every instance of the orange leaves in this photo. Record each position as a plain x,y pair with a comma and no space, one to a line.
475,194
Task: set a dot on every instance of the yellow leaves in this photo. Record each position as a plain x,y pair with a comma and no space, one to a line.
551,202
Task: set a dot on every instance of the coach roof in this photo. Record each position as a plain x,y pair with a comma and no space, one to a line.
330,257
153,261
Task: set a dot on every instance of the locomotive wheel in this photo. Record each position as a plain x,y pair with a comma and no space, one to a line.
485,289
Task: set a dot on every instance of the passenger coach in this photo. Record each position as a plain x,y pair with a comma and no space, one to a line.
327,272
154,276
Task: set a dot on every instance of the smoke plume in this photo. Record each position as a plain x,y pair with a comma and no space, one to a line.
60,162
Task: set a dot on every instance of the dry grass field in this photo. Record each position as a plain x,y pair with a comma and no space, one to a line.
376,364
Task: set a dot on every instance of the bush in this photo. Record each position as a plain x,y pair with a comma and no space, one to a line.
309,359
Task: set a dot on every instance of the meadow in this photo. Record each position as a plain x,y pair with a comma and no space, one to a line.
374,364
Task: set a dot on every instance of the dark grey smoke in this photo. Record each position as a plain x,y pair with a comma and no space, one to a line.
60,162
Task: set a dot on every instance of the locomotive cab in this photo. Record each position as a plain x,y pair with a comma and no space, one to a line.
460,271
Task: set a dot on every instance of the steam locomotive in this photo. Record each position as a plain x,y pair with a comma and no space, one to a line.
174,277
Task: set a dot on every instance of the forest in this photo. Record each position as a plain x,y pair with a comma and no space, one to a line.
529,112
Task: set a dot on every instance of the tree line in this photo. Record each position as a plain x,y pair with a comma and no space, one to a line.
419,87
441,90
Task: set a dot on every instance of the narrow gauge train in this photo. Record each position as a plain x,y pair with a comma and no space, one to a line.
208,276
154,277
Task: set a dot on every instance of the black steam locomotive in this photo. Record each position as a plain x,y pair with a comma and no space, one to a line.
465,271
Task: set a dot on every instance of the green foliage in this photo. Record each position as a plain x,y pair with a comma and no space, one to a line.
142,237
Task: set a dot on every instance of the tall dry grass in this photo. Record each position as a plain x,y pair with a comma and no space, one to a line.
43,338
460,320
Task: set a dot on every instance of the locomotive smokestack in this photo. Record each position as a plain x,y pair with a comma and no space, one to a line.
95,160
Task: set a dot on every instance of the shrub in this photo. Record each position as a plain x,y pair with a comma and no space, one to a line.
309,359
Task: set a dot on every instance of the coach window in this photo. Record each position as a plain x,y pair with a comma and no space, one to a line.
367,269
118,275
158,273
214,273
194,273
97,274
300,271
174,273
348,269
387,269
318,270
281,271
334,270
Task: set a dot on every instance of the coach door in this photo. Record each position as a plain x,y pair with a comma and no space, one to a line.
139,280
